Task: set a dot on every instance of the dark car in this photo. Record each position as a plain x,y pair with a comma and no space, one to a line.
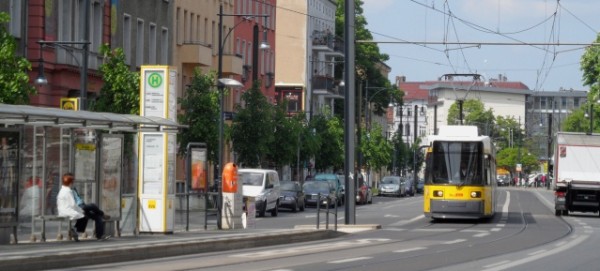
420,186
336,182
292,196
363,192
409,187
317,192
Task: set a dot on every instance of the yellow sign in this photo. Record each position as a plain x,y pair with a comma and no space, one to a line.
69,104
152,204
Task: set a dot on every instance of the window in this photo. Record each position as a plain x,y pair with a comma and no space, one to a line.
15,18
407,129
563,102
127,38
178,27
193,29
408,112
249,54
139,43
542,102
576,102
96,27
244,56
164,46
152,44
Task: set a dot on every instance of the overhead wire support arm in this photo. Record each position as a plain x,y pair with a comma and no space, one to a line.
478,44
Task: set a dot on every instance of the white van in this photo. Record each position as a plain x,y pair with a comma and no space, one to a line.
263,185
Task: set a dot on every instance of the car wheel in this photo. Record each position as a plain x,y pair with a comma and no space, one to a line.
262,212
275,210
295,207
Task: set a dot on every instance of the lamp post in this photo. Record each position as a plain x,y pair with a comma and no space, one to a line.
222,83
41,79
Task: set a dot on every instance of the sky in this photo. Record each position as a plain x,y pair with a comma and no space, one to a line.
541,67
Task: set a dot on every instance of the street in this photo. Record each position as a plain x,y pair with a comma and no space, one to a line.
524,235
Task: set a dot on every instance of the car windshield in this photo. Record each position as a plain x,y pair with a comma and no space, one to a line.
251,178
390,181
317,187
288,186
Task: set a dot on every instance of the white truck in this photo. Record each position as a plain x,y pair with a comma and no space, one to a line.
576,173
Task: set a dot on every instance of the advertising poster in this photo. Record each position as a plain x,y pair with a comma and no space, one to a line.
110,175
9,165
199,170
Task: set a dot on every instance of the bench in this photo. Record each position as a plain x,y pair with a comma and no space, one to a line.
60,220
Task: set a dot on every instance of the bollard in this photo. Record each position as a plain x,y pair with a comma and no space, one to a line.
327,213
318,209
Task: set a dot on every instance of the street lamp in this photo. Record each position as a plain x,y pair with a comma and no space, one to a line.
42,80
228,82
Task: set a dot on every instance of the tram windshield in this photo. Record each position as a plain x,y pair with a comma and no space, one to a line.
458,163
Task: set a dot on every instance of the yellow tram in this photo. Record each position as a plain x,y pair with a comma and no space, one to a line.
460,175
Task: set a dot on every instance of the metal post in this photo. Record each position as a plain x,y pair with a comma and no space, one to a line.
254,54
591,118
221,105
349,113
435,119
460,111
318,209
86,53
548,151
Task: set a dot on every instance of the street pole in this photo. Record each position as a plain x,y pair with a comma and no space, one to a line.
86,53
460,111
349,114
548,150
221,106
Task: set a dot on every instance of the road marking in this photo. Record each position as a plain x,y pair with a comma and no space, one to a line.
587,227
537,252
409,249
309,248
496,264
391,216
506,203
538,256
392,229
495,229
560,244
454,241
483,234
500,225
350,260
310,216
404,222
433,230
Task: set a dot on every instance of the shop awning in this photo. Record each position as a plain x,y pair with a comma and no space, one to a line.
46,116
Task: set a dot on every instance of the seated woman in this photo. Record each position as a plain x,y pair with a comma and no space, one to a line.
69,204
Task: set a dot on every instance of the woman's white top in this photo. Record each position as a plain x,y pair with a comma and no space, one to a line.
65,202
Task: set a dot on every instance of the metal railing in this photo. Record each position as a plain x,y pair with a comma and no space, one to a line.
327,211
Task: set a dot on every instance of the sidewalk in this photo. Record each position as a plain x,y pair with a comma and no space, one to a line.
64,254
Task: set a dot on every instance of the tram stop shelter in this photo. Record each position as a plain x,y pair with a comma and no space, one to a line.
38,145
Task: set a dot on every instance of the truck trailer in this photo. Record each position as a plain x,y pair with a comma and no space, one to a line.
576,173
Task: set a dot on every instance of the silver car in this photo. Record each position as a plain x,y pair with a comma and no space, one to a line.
392,186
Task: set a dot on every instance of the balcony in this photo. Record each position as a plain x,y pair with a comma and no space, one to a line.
325,85
196,53
325,41
232,64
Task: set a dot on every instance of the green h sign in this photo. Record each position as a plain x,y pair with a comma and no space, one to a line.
155,80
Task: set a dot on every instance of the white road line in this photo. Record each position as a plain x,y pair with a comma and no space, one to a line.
409,249
310,216
537,252
483,234
350,260
391,216
404,222
560,244
505,206
587,227
432,230
454,241
500,225
496,229
525,260
496,264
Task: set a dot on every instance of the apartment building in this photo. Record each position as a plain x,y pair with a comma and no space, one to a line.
307,54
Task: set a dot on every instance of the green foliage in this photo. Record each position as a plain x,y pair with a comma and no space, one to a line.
508,158
121,90
253,130
330,132
590,66
286,140
200,110
474,113
14,80
376,149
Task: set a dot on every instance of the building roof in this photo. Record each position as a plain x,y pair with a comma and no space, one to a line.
420,90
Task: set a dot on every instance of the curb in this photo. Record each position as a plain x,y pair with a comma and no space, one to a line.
133,252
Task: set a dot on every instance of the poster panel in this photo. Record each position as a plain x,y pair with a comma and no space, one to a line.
111,175
9,166
199,169
153,151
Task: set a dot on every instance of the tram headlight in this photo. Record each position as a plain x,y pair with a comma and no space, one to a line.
475,194
438,193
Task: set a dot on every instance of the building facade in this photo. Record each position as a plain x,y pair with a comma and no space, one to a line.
305,66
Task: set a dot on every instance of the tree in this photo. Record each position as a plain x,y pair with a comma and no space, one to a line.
121,90
252,131
330,131
286,137
200,105
590,66
376,149
474,113
14,80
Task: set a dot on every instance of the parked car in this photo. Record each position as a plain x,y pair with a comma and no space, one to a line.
312,191
263,185
502,180
420,186
336,182
363,192
292,196
391,186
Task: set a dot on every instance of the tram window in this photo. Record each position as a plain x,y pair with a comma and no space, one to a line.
457,163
